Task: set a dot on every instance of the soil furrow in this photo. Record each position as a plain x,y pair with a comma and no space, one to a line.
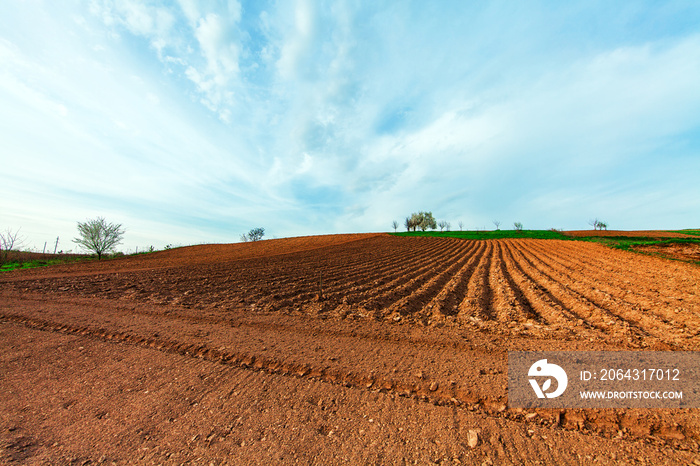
650,273
611,323
370,278
652,316
414,304
545,304
476,306
446,303
411,279
589,313
524,308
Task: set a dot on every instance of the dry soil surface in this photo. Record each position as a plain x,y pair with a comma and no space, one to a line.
359,349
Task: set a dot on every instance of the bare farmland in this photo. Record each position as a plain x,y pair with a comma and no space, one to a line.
348,348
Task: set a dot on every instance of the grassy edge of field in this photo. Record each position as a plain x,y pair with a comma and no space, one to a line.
690,231
21,264
34,263
486,234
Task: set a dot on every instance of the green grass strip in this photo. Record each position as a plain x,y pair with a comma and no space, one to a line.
497,234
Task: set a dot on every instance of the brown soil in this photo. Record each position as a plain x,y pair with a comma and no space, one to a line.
660,234
336,349
680,251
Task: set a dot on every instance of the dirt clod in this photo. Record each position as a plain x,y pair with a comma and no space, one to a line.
472,438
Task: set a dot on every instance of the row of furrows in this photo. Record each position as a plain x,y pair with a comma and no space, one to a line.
411,296
625,267
605,280
505,281
446,302
290,284
378,289
269,279
512,305
479,285
373,274
351,279
476,303
643,296
375,282
614,315
396,279
476,280
582,310
537,298
672,428
619,312
514,281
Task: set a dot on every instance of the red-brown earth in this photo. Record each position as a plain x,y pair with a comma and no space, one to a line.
333,349
681,251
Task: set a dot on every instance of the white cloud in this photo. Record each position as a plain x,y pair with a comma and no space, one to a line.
152,22
295,52
221,54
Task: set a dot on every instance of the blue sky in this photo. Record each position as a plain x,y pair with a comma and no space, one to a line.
193,122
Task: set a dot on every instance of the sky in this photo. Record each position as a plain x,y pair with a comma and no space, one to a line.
193,122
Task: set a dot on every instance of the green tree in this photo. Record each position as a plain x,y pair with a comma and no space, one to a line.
99,236
423,220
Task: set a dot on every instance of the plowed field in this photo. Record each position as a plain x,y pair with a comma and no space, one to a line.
334,349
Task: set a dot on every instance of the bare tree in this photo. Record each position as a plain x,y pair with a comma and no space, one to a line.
598,224
442,224
244,238
461,225
9,240
518,226
448,226
497,223
395,224
256,234
409,224
99,236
